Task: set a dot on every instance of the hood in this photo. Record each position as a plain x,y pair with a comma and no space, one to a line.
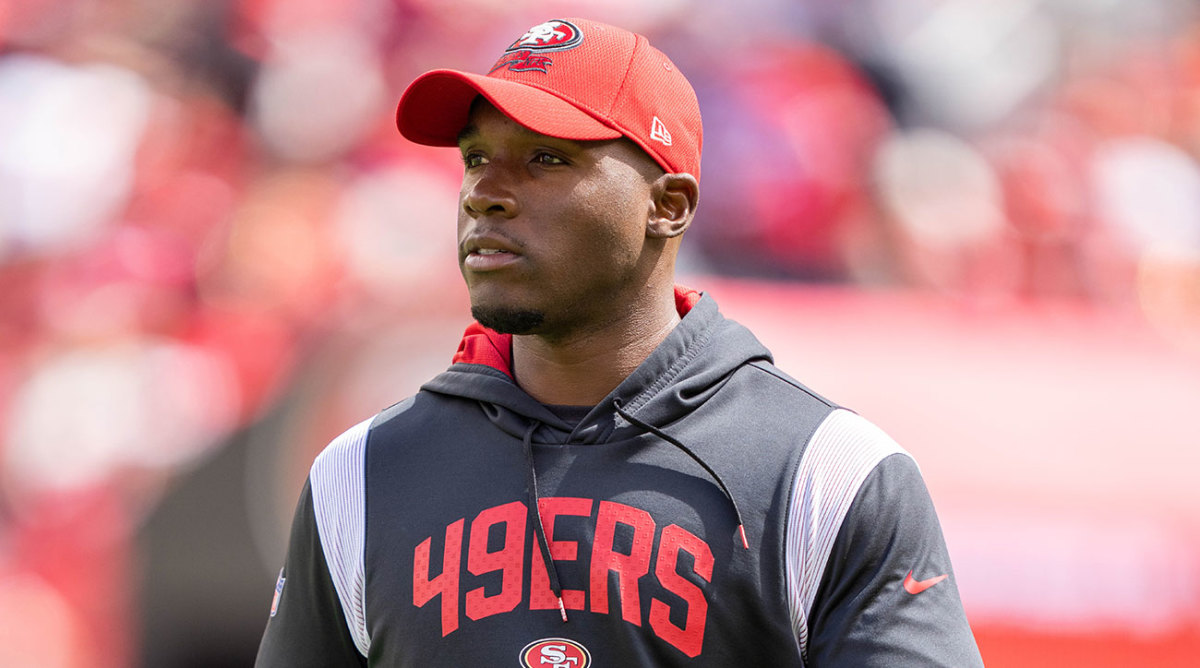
683,372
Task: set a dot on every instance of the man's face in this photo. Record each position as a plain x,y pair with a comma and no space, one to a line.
551,232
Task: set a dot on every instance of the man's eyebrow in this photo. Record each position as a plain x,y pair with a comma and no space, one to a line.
468,132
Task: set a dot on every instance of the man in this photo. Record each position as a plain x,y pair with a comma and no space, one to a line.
610,472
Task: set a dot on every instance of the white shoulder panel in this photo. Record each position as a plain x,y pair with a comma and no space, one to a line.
339,505
839,457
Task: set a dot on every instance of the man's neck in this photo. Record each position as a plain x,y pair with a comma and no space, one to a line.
581,370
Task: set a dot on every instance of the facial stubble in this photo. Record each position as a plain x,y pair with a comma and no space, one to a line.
508,320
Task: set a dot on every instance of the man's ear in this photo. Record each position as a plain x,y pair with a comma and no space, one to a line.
673,204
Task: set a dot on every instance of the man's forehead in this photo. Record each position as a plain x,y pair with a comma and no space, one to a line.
484,112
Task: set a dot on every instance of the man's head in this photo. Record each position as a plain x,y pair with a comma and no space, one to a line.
571,207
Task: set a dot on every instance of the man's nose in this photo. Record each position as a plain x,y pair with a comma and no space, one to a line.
490,192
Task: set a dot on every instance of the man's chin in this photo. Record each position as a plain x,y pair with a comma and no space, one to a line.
508,320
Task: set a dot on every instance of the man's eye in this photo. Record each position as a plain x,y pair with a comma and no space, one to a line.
472,160
548,159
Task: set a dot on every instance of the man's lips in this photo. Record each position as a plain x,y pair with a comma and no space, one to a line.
489,259
488,253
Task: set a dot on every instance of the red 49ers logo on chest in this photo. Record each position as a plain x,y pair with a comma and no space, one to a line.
625,561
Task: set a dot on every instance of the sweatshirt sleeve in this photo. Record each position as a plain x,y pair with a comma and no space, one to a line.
318,617
873,579
888,596
307,626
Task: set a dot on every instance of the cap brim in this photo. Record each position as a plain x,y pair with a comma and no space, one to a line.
436,106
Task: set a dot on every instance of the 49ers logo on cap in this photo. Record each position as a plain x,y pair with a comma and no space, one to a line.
549,36
525,54
555,653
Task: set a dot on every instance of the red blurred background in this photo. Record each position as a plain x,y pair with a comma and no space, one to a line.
976,223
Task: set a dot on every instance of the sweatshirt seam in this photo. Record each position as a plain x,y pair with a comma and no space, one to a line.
668,377
770,370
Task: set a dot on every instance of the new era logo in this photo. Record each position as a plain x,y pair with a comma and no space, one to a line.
659,133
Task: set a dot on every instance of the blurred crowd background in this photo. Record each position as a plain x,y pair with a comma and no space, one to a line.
216,253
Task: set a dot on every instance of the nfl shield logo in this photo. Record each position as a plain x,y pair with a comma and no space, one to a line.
278,592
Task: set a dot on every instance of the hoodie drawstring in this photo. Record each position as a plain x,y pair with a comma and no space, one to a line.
535,518
673,441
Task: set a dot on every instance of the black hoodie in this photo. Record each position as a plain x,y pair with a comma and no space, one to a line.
681,523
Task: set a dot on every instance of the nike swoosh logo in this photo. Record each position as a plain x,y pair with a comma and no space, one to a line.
915,587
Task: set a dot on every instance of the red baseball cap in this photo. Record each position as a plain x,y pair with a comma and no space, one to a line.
572,79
